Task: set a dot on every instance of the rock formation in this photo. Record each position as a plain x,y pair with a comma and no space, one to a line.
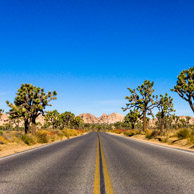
104,118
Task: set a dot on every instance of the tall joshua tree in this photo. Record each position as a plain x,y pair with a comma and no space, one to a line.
29,103
185,86
142,100
165,107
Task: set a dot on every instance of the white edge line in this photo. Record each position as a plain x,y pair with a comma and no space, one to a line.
37,148
161,146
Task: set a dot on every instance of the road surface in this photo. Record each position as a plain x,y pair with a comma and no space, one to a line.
98,163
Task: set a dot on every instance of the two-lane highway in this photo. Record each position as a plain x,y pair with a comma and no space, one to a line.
98,163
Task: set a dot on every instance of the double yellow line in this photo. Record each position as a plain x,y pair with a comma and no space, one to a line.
107,181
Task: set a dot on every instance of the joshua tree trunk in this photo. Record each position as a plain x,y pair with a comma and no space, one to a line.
144,120
26,123
162,122
133,125
33,125
162,125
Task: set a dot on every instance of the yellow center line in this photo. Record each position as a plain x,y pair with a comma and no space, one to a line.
97,172
108,184
107,181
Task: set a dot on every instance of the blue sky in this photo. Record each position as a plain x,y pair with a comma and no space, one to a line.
91,51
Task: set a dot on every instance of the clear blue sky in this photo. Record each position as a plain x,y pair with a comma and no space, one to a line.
91,51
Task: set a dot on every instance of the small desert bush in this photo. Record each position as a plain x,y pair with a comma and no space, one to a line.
70,132
163,139
129,133
3,140
60,134
151,134
42,136
183,133
138,131
28,139
191,139
118,131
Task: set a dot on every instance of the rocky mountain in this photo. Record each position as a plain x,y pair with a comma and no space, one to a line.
104,118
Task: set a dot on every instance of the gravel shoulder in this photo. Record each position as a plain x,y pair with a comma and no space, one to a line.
154,141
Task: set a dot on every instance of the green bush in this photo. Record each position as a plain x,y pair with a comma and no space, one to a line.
192,137
151,134
129,133
183,133
27,139
42,137
1,132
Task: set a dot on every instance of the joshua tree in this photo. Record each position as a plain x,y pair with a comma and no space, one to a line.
29,103
117,125
165,107
52,117
185,86
66,119
143,101
76,122
132,117
188,119
183,121
175,118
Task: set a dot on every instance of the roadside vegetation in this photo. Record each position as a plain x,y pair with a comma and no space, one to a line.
31,102
168,127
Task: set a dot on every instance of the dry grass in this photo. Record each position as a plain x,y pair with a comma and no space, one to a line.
182,138
16,141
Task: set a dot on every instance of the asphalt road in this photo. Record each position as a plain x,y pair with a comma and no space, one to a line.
69,167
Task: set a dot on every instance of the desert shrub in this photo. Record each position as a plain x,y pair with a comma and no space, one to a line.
2,128
42,136
70,132
164,139
191,139
129,133
151,134
60,134
1,132
138,131
3,140
80,131
27,139
117,131
142,133
183,133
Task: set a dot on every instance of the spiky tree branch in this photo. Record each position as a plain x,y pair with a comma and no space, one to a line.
185,86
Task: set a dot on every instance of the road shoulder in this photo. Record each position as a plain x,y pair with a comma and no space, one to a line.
153,142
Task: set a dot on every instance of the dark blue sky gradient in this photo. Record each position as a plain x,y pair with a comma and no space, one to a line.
91,51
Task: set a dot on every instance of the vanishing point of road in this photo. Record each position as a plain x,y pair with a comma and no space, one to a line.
98,163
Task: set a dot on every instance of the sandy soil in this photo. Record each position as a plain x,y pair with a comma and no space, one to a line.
12,148
180,145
